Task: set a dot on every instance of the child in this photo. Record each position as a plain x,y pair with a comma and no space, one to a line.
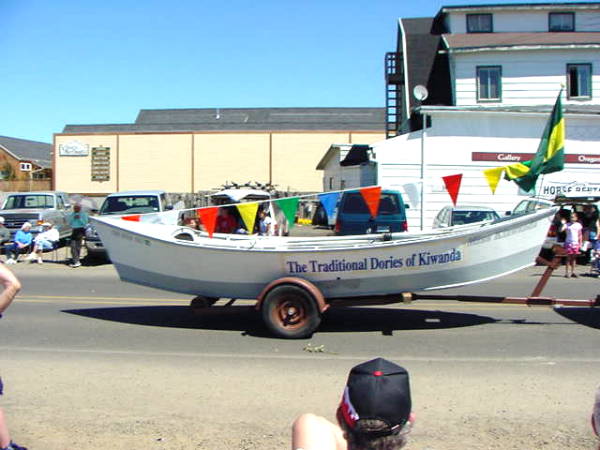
573,243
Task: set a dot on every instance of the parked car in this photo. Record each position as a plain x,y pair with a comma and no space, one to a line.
37,208
127,202
568,205
529,205
533,204
353,215
450,216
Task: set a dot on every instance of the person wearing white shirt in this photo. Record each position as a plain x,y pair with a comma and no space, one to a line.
46,240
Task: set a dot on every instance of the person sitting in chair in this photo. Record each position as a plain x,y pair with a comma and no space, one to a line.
44,241
21,244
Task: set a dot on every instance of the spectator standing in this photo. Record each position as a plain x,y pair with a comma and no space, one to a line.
573,243
21,244
78,220
11,287
374,413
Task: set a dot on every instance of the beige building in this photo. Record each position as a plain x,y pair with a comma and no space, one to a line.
190,150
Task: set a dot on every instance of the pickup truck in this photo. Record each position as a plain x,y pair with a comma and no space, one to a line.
126,202
37,208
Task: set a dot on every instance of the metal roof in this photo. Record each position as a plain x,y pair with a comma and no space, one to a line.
25,150
518,6
469,42
245,119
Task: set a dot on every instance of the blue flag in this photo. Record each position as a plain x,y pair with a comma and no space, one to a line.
329,202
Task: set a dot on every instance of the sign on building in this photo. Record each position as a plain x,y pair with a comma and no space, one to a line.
73,148
100,164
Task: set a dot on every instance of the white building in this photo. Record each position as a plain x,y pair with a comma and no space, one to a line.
494,55
468,142
493,73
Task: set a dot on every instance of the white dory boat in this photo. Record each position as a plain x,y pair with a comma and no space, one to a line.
291,277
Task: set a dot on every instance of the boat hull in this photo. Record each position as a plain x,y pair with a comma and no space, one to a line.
146,254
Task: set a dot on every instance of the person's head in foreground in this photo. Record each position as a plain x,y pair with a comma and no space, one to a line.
374,412
375,409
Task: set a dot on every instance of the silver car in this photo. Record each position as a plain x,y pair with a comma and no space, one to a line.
450,216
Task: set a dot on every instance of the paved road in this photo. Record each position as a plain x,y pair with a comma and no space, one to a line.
79,345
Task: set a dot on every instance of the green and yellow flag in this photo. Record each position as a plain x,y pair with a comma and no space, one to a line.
550,155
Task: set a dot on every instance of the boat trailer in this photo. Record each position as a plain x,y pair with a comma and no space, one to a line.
291,307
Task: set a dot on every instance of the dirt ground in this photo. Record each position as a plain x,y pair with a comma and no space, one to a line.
89,400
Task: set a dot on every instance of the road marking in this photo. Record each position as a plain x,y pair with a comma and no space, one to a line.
79,297
322,356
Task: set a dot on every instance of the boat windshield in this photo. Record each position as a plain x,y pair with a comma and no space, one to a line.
29,201
130,204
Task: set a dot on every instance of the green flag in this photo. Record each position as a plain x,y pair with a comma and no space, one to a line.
550,155
289,207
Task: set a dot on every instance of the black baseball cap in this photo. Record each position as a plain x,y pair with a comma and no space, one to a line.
378,389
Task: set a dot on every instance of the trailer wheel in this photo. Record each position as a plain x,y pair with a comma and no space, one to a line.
290,312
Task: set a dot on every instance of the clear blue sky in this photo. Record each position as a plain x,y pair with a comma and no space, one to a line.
97,62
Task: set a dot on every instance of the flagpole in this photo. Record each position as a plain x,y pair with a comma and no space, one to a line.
423,135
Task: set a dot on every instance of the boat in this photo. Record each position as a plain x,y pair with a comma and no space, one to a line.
316,271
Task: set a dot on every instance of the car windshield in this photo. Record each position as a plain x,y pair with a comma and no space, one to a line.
355,204
464,217
130,204
29,201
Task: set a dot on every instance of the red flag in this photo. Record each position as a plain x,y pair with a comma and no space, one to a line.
371,196
132,218
208,216
452,183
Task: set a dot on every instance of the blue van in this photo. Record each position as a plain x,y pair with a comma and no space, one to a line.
353,215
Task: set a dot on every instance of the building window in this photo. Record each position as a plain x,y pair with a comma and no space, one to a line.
489,83
564,21
479,23
579,81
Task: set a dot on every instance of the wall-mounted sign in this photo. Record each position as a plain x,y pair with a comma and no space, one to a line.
100,164
25,167
510,158
73,148
569,188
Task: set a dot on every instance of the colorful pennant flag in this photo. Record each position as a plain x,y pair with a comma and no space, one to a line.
289,206
329,202
208,217
452,183
132,218
550,155
413,190
493,177
248,213
371,196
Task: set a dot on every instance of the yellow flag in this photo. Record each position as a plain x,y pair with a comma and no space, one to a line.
493,177
248,213
516,170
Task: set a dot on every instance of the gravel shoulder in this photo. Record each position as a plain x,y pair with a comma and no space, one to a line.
98,400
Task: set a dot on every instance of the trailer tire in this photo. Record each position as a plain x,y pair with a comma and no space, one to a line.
290,312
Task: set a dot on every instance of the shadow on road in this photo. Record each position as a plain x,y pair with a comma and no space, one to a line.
590,317
248,321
